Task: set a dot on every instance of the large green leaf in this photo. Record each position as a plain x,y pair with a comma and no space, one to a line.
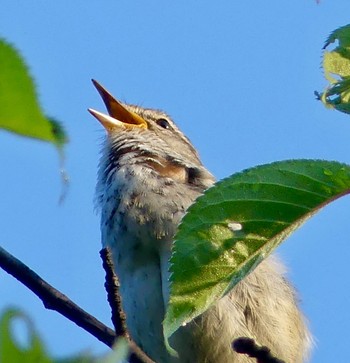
20,111
237,223
336,64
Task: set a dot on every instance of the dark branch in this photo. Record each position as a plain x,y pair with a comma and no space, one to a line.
113,296
54,299
249,347
118,315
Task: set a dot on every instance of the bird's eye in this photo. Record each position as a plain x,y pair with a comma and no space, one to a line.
162,122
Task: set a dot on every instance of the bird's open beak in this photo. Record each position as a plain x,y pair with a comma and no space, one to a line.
119,117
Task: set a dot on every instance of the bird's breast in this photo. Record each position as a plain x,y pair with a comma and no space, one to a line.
147,206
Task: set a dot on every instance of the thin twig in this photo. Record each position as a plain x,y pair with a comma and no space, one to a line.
118,315
54,299
248,346
113,296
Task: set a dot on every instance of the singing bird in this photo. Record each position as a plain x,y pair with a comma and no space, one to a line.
149,174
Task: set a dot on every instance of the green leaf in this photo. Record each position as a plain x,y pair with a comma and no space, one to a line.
237,223
10,351
336,65
20,111
34,351
119,353
341,35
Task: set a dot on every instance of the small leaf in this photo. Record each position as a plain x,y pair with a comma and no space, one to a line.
20,111
10,351
237,223
119,354
342,35
336,65
34,351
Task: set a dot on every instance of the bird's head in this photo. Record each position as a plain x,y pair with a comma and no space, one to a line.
148,137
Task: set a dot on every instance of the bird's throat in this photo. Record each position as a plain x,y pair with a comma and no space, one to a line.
169,170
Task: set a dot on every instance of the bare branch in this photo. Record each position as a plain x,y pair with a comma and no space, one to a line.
118,315
112,288
54,299
248,346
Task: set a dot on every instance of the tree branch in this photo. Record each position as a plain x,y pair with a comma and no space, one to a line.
248,346
118,316
54,299
112,288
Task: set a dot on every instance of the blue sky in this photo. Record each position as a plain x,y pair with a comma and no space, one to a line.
237,77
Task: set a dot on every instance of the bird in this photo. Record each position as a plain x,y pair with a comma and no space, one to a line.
149,174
